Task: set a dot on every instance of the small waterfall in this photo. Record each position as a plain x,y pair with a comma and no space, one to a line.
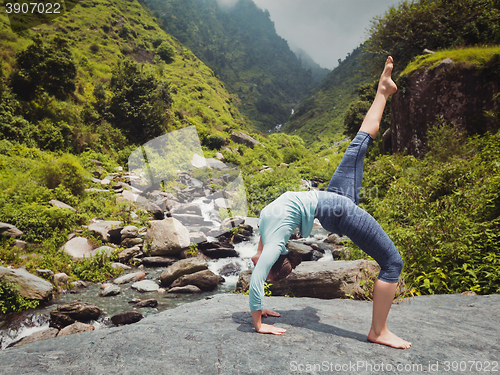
31,324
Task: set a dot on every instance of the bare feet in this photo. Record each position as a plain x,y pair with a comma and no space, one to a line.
386,85
388,338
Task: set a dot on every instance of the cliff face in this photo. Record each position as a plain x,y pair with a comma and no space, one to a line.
452,91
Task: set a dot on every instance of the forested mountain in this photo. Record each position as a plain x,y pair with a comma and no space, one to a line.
320,117
307,62
241,45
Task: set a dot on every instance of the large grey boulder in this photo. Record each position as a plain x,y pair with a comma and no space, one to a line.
166,237
205,280
9,230
338,279
216,336
245,139
30,286
182,267
79,248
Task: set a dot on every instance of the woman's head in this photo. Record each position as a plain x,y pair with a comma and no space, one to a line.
284,266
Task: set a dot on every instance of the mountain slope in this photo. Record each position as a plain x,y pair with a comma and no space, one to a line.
101,34
307,62
320,117
241,44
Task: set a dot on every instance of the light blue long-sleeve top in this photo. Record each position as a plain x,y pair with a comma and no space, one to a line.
277,222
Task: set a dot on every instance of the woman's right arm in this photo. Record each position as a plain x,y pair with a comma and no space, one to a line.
269,256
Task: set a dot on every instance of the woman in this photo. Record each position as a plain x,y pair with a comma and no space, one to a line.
337,210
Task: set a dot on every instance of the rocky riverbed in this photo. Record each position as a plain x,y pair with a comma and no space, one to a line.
216,336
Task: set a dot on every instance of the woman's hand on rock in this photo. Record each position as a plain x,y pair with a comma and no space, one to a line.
266,313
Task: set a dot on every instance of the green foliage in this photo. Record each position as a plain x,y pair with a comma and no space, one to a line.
215,141
65,171
39,222
97,268
405,30
45,66
166,51
443,212
138,104
267,290
11,300
320,118
12,125
192,251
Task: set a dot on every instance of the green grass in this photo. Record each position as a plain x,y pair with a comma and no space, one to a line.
475,56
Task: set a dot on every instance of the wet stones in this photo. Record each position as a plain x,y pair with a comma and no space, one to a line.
206,280
145,286
182,267
69,313
128,317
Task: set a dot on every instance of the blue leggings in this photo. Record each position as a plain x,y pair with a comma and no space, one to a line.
338,211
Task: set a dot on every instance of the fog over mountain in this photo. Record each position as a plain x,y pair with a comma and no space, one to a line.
326,29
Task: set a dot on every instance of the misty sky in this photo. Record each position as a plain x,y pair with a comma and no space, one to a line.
326,29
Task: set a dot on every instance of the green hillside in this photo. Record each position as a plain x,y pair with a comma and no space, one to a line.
242,46
307,62
99,35
321,116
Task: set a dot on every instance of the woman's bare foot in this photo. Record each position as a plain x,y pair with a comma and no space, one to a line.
386,85
388,338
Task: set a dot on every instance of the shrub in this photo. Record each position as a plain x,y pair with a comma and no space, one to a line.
97,268
166,51
66,171
215,141
443,212
48,66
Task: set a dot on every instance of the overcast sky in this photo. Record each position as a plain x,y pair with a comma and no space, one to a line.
326,29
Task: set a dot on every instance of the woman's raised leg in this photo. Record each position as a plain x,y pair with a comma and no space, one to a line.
348,176
386,87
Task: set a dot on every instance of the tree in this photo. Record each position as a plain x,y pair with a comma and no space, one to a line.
45,66
139,103
166,52
405,30
12,125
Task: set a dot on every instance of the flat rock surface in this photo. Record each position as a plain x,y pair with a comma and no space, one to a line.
216,336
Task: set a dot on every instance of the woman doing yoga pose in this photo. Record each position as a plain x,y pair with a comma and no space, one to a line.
338,212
